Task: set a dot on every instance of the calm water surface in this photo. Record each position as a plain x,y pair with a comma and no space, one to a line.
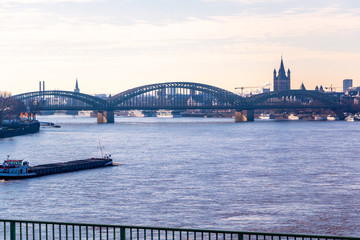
276,176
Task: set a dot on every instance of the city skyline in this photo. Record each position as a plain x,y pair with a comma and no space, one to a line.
111,46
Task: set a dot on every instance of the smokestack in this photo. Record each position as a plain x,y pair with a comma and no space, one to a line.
43,85
39,86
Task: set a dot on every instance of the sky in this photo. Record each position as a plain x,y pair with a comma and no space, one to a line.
114,45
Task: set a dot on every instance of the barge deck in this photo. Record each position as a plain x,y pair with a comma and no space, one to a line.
71,166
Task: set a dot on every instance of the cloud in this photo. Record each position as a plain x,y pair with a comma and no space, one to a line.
41,29
193,47
247,1
41,1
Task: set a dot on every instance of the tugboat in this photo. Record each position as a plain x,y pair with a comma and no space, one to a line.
15,169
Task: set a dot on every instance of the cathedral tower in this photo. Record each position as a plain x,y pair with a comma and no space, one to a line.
281,80
77,90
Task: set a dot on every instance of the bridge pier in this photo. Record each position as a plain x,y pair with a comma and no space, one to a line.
105,117
339,113
244,115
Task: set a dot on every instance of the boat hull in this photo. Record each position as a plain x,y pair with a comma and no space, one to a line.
16,176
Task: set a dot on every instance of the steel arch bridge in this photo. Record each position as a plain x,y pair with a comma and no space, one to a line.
177,95
174,95
61,100
291,99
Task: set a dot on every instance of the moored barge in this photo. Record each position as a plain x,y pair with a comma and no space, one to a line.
17,169
17,129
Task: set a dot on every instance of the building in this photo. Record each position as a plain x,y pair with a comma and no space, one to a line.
265,90
347,83
303,88
281,80
102,96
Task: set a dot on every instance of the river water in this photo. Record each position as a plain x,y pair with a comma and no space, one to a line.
272,176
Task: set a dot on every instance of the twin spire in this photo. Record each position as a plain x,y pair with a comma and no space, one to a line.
77,86
282,68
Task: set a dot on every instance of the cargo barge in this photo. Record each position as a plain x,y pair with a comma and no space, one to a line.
18,169
17,129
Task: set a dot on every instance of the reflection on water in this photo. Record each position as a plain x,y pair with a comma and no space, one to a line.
278,176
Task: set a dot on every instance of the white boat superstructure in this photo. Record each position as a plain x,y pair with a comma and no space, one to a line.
266,116
15,169
293,117
136,113
353,118
168,114
85,113
350,118
332,118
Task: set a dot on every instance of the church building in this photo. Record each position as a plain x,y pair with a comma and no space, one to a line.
281,80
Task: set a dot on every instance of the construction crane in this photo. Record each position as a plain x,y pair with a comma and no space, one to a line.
331,88
242,88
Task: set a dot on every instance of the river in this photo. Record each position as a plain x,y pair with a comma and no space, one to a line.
271,176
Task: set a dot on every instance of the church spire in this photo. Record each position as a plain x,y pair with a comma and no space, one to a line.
282,81
282,73
282,68
76,86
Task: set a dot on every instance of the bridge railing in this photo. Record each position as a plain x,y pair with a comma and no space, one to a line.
19,229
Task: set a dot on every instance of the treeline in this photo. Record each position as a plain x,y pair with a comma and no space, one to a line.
10,108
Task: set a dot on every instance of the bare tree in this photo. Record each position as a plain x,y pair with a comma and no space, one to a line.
9,106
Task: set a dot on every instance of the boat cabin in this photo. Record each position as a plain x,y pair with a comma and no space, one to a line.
14,166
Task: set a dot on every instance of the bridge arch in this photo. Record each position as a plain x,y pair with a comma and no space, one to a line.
227,97
40,97
322,99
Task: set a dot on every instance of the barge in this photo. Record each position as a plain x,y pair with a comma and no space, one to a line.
18,169
17,129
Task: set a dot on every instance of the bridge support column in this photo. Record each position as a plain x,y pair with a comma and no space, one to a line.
244,115
339,113
105,117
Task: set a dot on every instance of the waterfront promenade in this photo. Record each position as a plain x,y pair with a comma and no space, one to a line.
19,229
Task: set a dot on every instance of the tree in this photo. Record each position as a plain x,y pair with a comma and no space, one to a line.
9,106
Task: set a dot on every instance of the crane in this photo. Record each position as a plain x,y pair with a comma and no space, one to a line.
331,88
242,88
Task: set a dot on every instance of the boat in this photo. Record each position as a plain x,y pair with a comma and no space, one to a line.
168,114
85,113
293,117
353,118
332,118
319,118
49,124
266,116
19,128
18,169
136,113
350,118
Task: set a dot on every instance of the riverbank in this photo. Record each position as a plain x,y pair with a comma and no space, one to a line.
21,128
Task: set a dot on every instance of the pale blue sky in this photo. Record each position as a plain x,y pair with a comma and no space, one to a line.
113,45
